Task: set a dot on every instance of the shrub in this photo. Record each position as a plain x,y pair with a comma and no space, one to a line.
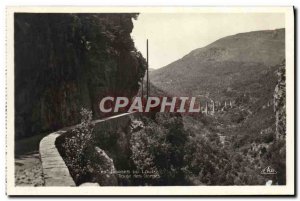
80,140
160,148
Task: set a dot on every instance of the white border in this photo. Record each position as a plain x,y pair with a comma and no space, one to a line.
182,190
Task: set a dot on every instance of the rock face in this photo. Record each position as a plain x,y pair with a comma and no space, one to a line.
67,61
280,103
106,172
113,137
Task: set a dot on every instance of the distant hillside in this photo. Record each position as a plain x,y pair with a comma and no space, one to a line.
248,69
232,66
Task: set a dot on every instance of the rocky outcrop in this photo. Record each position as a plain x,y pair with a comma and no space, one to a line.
67,61
105,173
280,103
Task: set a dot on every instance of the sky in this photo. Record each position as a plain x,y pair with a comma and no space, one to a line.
171,36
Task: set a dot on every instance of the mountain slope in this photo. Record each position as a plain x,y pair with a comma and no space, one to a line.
243,68
231,65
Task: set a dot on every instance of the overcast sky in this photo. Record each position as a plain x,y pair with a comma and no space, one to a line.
171,36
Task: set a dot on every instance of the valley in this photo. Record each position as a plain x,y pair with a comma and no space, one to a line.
233,68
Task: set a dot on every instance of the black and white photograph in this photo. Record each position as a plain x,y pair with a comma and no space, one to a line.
150,101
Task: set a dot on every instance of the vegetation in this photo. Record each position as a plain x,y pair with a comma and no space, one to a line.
159,148
78,144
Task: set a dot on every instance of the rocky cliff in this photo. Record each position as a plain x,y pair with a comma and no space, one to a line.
67,61
280,103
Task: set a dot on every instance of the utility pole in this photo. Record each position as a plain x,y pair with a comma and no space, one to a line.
142,87
148,86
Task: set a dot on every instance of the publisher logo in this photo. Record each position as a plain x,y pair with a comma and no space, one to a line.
268,170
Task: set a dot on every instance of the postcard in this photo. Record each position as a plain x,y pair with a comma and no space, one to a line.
150,101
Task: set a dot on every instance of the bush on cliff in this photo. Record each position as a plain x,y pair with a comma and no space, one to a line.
77,144
86,161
